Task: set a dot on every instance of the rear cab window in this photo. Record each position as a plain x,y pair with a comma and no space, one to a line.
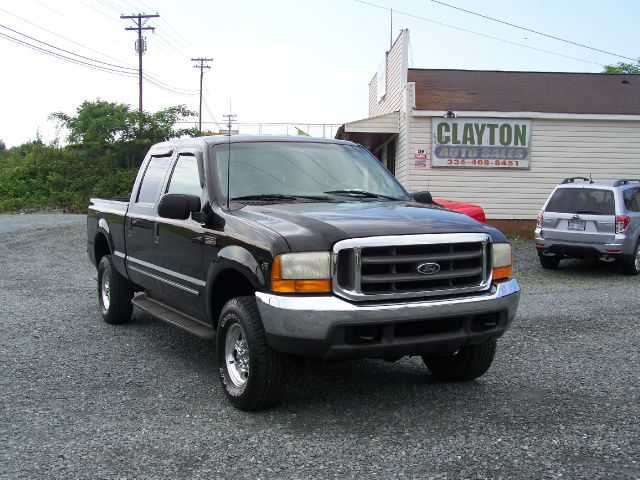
152,179
591,201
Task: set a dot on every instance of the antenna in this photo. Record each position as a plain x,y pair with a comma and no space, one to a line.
230,117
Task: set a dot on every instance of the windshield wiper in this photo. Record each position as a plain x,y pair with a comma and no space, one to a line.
356,192
277,196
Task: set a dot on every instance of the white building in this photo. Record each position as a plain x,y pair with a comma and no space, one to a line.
510,136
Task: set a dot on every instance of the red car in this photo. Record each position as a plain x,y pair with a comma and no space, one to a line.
474,211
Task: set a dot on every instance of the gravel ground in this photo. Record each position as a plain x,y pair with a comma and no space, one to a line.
83,399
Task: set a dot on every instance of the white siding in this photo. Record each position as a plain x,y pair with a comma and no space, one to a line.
402,147
383,124
607,150
396,79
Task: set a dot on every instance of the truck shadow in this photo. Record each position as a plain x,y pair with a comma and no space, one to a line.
320,390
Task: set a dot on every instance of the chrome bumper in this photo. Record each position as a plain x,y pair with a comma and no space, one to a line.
314,317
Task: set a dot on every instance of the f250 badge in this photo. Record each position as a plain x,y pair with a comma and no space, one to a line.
428,268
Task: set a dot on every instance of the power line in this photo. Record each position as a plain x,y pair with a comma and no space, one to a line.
64,57
57,34
418,17
159,82
533,31
66,51
213,117
130,74
168,88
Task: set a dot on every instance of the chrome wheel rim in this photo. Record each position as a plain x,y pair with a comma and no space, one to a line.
638,258
105,291
236,355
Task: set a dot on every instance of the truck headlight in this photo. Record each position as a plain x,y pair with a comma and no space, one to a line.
307,272
501,254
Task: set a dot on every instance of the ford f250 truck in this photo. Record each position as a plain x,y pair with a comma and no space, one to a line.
281,246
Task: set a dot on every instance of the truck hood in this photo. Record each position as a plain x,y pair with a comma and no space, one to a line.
318,225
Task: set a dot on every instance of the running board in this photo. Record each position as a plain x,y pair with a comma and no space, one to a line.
173,317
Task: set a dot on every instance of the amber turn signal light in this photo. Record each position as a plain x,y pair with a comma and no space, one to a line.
298,285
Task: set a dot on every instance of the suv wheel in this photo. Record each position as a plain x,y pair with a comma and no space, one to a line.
114,293
633,264
253,375
549,263
465,363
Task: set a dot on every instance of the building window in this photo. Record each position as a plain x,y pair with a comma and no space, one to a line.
391,156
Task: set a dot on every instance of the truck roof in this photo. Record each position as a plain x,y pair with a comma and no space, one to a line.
218,139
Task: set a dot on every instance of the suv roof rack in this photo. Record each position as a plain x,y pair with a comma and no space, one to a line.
573,179
625,181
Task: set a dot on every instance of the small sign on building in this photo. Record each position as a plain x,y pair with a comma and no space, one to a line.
481,142
420,157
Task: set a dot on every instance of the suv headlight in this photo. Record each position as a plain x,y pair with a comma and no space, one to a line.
501,254
307,272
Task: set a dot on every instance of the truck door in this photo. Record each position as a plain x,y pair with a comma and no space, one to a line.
177,246
140,227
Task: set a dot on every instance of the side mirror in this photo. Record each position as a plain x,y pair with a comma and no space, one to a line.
423,197
178,206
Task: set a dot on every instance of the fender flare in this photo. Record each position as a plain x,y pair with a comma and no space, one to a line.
238,259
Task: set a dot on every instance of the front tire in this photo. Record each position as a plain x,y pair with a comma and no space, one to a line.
253,375
633,264
466,363
114,293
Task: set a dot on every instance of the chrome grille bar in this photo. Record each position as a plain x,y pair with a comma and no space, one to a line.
376,268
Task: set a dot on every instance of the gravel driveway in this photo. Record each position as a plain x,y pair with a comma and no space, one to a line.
83,399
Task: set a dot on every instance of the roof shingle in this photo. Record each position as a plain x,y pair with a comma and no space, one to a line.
556,92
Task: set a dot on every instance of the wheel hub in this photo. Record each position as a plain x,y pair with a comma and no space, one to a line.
237,355
105,291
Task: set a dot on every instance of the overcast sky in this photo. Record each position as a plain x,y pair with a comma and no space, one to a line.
280,60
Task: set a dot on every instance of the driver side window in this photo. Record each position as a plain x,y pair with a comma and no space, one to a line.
185,177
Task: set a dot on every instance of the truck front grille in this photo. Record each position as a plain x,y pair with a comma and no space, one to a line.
411,266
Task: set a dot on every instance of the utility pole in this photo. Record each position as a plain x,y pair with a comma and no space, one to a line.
140,21
202,66
231,117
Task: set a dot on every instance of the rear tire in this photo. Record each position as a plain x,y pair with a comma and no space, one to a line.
466,363
114,293
253,375
633,263
549,263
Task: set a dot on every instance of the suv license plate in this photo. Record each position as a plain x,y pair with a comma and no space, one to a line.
578,225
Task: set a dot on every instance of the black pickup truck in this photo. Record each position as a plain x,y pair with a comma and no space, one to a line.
281,246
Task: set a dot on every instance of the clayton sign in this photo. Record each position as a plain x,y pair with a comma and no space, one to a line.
481,142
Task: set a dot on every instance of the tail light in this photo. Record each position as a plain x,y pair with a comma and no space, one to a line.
622,223
540,218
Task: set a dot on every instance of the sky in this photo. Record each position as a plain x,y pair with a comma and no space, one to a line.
279,61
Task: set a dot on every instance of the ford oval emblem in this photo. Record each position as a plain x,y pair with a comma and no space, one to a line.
428,268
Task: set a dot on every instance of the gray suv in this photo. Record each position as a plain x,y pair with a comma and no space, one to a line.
583,219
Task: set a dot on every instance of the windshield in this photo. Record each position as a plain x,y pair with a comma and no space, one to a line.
582,200
302,169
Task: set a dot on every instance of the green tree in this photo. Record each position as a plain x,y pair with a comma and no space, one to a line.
621,67
98,121
110,122
3,147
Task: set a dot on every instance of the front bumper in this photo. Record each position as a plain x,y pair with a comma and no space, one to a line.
330,327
